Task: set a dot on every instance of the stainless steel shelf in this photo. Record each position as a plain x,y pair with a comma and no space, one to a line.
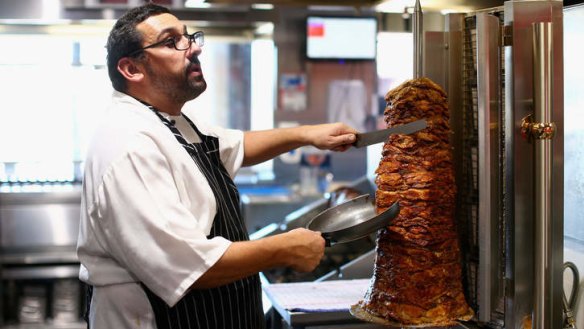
32,257
46,325
41,272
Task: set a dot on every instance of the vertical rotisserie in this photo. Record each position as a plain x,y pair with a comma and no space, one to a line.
417,276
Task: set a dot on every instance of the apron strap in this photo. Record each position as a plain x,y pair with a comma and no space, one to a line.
235,305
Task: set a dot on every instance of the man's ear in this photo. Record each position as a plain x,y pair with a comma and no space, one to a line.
129,69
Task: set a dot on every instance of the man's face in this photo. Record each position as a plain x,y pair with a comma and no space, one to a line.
176,73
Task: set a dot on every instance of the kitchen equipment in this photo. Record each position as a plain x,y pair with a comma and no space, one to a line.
65,301
418,34
500,66
38,237
32,304
570,303
351,220
378,136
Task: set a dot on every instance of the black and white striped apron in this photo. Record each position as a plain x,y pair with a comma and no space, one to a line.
237,305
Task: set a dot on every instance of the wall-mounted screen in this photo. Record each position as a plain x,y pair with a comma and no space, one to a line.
343,38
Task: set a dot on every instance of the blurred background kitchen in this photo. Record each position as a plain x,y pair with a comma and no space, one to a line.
263,71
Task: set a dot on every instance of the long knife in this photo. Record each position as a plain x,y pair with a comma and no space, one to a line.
379,136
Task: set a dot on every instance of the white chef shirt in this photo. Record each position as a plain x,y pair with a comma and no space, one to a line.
146,212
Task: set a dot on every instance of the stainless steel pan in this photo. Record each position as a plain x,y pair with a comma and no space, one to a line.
351,220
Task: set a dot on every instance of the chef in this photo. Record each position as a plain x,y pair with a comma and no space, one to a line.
162,242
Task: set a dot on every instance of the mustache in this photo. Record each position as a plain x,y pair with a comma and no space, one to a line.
193,65
194,60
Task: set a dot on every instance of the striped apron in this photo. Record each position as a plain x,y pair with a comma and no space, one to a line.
232,306
237,305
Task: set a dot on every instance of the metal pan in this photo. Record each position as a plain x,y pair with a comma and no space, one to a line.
351,220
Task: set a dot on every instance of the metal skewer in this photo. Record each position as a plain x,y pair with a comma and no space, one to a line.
417,25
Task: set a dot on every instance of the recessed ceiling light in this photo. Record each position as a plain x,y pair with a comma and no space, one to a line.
265,29
262,6
196,4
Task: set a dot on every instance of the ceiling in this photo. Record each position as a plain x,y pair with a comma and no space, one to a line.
232,15
395,6
351,3
98,9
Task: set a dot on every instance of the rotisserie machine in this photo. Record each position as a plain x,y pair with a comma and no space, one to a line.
502,69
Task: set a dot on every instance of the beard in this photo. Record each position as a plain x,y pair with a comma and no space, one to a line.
179,88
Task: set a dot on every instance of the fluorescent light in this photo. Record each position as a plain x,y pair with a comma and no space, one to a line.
443,6
196,4
394,6
262,6
459,9
265,29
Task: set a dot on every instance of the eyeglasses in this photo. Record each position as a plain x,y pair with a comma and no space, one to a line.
179,43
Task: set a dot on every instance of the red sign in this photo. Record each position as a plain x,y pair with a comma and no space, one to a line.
316,30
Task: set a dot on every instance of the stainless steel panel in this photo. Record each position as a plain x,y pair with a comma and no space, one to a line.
435,50
48,255
41,272
443,65
39,220
359,268
77,325
262,210
519,161
450,61
489,99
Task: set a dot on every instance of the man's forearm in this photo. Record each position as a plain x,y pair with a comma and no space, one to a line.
260,146
299,249
239,261
264,145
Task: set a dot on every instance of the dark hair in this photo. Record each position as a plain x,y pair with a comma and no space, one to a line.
124,38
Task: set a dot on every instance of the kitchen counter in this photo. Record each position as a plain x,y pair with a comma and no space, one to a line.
317,304
322,305
263,205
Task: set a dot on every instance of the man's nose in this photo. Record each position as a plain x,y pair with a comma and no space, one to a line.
195,49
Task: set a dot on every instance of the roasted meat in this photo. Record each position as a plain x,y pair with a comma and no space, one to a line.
417,276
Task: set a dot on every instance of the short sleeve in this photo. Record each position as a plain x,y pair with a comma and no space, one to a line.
147,228
230,144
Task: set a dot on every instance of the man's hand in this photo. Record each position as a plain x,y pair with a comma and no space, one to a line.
304,249
331,136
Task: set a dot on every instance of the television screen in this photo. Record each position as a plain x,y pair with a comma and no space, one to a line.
348,38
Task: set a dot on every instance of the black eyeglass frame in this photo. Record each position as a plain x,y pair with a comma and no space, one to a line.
200,35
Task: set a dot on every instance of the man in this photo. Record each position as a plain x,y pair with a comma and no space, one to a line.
162,243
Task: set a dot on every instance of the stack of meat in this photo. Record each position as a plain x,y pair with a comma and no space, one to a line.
417,275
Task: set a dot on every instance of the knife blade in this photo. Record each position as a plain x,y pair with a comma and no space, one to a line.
378,136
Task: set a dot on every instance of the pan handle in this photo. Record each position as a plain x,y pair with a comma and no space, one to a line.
328,242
